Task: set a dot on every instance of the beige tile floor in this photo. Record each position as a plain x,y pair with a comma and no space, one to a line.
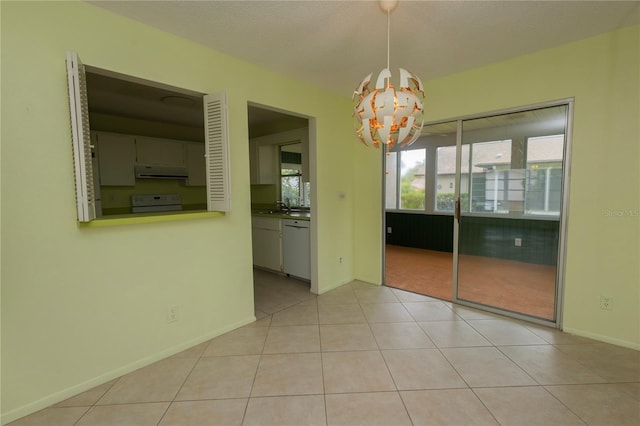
368,355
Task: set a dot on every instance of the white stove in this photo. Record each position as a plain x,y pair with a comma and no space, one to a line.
155,203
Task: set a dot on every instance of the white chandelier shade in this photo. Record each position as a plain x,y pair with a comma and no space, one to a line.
388,116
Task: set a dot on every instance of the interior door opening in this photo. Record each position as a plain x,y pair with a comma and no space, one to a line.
280,157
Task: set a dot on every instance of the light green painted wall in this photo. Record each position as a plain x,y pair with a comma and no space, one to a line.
603,75
81,305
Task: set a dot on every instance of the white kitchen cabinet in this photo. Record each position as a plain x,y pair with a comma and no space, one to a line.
267,242
263,163
267,164
116,158
160,152
196,165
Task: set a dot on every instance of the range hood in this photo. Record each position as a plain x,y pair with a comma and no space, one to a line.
150,171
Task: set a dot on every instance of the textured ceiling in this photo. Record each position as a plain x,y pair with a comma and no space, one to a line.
334,44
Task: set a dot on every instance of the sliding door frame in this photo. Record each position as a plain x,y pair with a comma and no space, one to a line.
564,213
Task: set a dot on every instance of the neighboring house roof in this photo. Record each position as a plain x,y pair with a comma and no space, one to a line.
539,150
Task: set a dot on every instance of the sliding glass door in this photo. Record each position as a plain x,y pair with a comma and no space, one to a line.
509,212
419,205
474,211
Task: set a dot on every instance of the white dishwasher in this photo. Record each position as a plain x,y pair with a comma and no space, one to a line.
295,248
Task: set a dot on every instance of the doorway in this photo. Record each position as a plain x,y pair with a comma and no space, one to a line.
281,151
489,231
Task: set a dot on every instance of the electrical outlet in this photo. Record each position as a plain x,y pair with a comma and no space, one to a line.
606,303
389,230
173,312
340,260
518,242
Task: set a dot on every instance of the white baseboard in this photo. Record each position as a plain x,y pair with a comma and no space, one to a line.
69,392
602,338
325,290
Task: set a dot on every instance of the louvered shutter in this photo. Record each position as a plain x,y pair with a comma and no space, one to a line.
217,152
81,138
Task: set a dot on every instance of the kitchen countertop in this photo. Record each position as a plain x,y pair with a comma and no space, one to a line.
283,215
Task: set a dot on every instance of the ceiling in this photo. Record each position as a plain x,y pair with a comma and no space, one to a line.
334,44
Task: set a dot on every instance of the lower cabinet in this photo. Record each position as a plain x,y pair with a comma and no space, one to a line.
295,248
267,242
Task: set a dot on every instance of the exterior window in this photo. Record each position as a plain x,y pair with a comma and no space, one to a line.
294,192
492,182
412,179
446,177
505,168
291,185
543,183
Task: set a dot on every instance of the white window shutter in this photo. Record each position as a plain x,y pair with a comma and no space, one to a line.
81,138
217,152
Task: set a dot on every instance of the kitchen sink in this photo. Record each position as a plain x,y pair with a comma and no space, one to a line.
295,213
299,214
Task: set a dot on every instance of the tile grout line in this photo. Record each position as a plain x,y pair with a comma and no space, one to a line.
397,391
255,374
96,401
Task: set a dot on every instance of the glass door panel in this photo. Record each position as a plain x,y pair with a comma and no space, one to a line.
510,178
419,205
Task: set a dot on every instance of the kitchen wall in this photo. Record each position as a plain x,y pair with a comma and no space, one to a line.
116,200
82,305
264,195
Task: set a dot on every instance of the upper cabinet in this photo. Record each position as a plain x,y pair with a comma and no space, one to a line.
267,164
160,152
264,154
116,158
263,163
119,153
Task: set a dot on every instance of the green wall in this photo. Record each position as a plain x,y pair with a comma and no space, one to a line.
603,75
82,305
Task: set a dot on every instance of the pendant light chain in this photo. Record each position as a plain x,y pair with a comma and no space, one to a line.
388,35
388,115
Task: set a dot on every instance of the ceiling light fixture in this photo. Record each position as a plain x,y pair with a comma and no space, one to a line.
385,115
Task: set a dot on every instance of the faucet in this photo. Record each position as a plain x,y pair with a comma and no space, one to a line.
284,205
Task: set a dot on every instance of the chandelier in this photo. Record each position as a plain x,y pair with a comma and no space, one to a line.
384,114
